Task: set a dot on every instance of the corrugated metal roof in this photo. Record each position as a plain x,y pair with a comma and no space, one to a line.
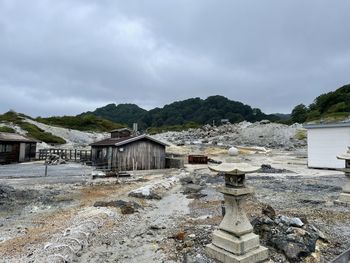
125,140
14,137
326,125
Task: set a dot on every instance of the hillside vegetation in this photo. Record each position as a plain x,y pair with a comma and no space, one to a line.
122,113
31,130
7,129
176,114
331,106
87,122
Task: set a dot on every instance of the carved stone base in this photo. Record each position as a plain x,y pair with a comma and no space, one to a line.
257,255
235,245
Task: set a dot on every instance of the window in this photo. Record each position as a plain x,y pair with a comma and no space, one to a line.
8,148
5,148
99,154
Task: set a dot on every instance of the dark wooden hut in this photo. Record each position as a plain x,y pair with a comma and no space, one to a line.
16,148
124,152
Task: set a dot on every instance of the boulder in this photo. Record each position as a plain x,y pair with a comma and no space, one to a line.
286,235
269,211
126,207
192,188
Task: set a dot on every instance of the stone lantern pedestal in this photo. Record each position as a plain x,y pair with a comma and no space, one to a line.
344,197
234,241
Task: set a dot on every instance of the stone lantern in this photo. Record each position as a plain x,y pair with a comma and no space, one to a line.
234,241
344,197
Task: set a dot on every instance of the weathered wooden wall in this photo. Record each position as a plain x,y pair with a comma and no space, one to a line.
138,155
27,152
10,157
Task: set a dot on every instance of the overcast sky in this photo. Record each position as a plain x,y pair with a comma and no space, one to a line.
69,56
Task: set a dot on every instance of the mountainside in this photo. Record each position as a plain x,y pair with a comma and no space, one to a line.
19,123
16,122
123,113
195,110
86,122
332,106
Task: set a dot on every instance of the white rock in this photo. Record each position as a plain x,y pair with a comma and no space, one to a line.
233,151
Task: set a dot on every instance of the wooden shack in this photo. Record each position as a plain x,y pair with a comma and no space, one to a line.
124,152
16,148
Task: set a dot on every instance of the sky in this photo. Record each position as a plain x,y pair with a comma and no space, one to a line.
70,56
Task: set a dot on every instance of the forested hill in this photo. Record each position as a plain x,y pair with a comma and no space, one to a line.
331,106
195,110
122,113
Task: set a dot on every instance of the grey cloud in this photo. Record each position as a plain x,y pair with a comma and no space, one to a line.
65,57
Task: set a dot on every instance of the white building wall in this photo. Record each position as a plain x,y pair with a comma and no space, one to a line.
324,144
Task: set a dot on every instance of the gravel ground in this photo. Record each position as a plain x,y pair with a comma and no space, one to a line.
37,169
175,228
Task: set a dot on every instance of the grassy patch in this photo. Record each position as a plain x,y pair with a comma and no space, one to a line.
7,129
39,134
11,116
301,134
331,117
186,126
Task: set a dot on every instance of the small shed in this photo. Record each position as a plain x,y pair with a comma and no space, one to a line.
16,148
121,133
124,152
324,142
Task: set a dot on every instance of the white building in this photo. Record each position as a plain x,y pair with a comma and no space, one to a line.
325,142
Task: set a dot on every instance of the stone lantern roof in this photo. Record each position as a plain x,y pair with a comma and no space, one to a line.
345,156
234,168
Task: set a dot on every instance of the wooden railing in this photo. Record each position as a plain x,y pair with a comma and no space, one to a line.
66,154
343,258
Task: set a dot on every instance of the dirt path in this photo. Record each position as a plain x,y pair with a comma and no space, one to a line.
85,233
138,237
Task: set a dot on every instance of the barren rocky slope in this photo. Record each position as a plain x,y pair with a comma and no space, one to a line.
264,133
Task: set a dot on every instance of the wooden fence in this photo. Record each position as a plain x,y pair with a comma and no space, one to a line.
343,258
66,154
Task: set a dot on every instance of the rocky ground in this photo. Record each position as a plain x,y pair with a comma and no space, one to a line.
264,133
168,215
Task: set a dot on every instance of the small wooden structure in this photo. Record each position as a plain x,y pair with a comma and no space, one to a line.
16,148
123,152
197,159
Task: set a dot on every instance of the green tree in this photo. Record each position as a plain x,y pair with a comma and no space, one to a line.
299,113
